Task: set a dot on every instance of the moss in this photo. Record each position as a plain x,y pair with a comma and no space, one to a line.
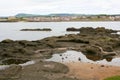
67,78
113,78
7,41
14,61
91,51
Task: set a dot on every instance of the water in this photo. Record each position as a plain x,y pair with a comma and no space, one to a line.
3,67
74,56
12,30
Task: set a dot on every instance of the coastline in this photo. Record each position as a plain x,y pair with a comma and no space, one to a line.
24,51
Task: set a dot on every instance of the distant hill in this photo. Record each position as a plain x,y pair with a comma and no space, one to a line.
25,15
33,15
61,14
65,14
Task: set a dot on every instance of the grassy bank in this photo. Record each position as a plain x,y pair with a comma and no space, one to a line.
113,78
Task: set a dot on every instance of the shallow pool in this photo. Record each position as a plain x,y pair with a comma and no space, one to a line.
74,56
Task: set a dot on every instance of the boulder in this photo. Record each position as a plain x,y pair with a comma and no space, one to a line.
7,41
72,29
10,73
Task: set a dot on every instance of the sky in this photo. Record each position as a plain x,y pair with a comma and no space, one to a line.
13,7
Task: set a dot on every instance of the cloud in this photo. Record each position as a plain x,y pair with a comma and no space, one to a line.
13,7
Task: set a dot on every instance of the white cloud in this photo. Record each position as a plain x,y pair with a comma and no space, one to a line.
13,7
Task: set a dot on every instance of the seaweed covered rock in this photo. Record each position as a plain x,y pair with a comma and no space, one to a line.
95,31
92,31
44,29
7,41
9,61
72,29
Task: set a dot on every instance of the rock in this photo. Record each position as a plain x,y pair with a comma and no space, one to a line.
109,59
72,29
55,68
27,43
108,55
94,57
14,61
93,31
10,73
79,59
102,65
74,40
44,29
7,41
87,30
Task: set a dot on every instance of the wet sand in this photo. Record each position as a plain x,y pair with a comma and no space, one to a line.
89,71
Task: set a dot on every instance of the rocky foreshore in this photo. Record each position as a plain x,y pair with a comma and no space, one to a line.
96,43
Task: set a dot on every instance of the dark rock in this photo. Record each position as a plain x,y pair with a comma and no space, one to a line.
44,29
87,30
74,40
79,59
60,54
94,57
108,55
91,50
7,41
102,65
109,59
72,29
14,61
98,30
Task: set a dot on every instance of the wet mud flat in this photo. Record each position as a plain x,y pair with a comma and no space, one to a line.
96,44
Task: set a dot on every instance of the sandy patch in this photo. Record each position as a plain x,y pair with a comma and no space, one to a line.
90,71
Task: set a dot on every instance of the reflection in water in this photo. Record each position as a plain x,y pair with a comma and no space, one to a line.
74,56
109,59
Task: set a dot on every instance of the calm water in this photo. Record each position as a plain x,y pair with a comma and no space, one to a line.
12,30
74,56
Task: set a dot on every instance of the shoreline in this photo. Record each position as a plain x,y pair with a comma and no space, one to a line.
24,51
77,70
54,21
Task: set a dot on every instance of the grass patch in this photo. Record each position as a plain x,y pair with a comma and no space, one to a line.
113,78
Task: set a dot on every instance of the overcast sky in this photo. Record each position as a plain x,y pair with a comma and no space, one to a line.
12,7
